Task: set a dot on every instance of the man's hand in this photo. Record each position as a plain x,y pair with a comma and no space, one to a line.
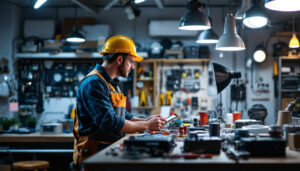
153,123
156,122
152,116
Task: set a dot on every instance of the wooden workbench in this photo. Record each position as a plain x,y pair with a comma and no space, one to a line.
36,143
102,161
36,137
57,149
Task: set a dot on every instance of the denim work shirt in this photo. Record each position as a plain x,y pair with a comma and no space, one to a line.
94,107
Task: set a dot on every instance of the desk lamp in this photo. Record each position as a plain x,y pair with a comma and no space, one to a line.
218,79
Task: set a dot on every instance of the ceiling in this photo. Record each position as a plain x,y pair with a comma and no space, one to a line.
93,5
103,3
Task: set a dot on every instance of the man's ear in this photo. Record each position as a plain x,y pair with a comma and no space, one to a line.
120,59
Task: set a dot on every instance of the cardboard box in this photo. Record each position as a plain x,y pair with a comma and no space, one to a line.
69,23
89,44
294,141
52,44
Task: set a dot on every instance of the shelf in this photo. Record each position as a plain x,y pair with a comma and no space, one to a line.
58,55
185,60
285,34
144,107
144,80
290,91
290,57
82,55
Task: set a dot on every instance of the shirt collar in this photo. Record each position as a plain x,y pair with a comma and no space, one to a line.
107,77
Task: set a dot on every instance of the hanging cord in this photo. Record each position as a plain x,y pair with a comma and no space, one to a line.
75,23
208,14
294,24
230,10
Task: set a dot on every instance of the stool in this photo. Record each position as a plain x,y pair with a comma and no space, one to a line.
30,165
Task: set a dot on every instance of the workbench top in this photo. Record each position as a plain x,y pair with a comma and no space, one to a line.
103,161
37,137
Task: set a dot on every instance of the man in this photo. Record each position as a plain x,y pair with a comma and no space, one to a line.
101,117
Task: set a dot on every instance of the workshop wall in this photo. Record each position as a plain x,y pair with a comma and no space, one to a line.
10,29
138,30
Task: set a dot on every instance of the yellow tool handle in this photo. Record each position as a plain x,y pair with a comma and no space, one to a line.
169,98
275,67
161,99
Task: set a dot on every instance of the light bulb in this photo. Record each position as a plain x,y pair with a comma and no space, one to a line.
259,56
255,22
76,39
194,27
294,42
283,5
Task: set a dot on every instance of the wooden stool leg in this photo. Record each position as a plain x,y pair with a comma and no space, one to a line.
36,169
45,169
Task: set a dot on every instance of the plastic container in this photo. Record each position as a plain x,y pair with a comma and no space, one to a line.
236,116
203,118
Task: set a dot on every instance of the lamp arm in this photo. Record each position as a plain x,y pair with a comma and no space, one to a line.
291,106
235,74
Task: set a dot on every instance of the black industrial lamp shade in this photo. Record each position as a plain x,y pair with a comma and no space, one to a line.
75,36
208,36
221,77
194,19
255,18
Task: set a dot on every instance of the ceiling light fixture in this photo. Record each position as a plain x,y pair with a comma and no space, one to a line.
283,5
294,42
139,1
260,55
208,36
230,40
75,36
255,17
132,11
194,19
246,4
39,3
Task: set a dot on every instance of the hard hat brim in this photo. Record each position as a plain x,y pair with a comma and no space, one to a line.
138,58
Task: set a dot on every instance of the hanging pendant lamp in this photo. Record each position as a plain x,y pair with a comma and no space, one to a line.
194,19
208,36
255,17
75,36
230,40
294,42
283,5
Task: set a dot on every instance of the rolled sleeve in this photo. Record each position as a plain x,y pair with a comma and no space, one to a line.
128,115
96,100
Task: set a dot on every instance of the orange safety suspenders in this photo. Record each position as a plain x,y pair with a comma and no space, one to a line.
85,146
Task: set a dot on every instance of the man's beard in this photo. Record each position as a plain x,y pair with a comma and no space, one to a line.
122,70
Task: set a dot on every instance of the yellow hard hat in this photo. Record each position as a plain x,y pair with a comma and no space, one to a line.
121,44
